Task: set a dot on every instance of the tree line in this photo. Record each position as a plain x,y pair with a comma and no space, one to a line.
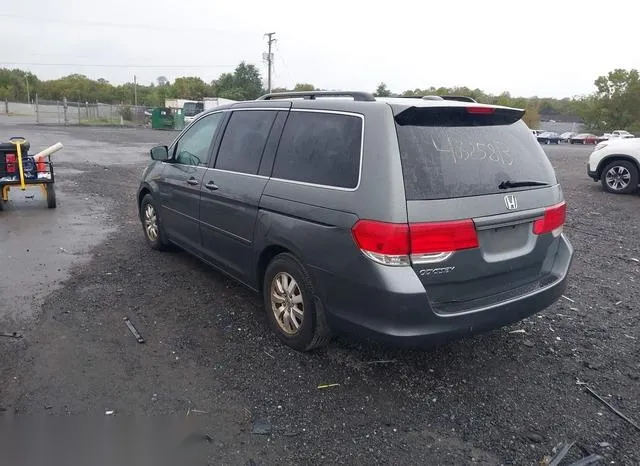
615,103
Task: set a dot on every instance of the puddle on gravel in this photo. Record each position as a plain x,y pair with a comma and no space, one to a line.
38,246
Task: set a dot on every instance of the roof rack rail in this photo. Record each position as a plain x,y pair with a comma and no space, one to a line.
311,95
460,98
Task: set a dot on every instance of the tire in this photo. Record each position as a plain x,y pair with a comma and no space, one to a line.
620,177
301,332
51,196
152,224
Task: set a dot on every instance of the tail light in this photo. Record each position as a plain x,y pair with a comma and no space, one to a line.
401,243
385,243
10,160
553,220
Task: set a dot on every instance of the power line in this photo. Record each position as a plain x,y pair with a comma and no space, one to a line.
132,65
79,22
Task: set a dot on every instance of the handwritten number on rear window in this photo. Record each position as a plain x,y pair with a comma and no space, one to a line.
464,151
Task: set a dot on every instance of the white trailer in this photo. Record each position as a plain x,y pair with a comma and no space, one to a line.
213,102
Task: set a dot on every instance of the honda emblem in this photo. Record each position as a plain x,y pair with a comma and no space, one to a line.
511,202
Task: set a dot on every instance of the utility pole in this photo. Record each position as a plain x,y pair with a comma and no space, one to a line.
135,91
26,78
269,58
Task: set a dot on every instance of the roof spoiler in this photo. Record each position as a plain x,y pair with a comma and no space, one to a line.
312,95
480,115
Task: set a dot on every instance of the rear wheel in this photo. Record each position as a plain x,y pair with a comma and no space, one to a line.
51,196
620,177
152,225
292,310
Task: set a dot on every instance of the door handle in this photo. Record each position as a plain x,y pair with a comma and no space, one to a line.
192,181
211,185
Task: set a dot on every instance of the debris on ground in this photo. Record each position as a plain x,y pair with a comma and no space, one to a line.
109,413
534,437
194,437
559,452
382,361
568,299
10,335
330,385
609,405
261,427
134,331
588,460
196,411
521,330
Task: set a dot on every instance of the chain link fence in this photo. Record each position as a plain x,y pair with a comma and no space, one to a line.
65,112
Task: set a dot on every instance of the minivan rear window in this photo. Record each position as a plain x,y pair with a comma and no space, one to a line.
469,158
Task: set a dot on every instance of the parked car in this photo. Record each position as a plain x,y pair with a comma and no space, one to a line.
536,132
604,137
409,220
584,138
565,137
616,164
621,134
549,137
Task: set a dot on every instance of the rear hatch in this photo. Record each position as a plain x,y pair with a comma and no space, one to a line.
484,207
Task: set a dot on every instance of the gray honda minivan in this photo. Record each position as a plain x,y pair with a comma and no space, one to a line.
412,220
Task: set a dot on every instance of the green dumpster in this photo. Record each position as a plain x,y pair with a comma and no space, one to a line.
178,120
161,118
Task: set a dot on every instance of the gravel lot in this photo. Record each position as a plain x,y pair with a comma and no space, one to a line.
497,398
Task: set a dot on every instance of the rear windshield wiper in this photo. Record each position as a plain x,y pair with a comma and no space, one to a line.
520,184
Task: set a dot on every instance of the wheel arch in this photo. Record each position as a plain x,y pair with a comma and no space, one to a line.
613,158
264,258
142,192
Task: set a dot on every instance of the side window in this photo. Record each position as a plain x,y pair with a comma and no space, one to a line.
244,140
193,148
320,148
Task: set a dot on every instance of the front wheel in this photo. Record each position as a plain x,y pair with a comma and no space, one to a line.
151,224
291,305
620,177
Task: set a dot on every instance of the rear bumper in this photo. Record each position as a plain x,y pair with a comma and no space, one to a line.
400,313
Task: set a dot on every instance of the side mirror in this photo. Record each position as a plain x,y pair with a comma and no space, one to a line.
160,153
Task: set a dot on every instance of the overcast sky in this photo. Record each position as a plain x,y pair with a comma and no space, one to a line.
545,48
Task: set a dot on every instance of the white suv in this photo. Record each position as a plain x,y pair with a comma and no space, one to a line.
616,163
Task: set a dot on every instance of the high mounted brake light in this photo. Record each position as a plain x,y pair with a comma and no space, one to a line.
402,243
481,110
